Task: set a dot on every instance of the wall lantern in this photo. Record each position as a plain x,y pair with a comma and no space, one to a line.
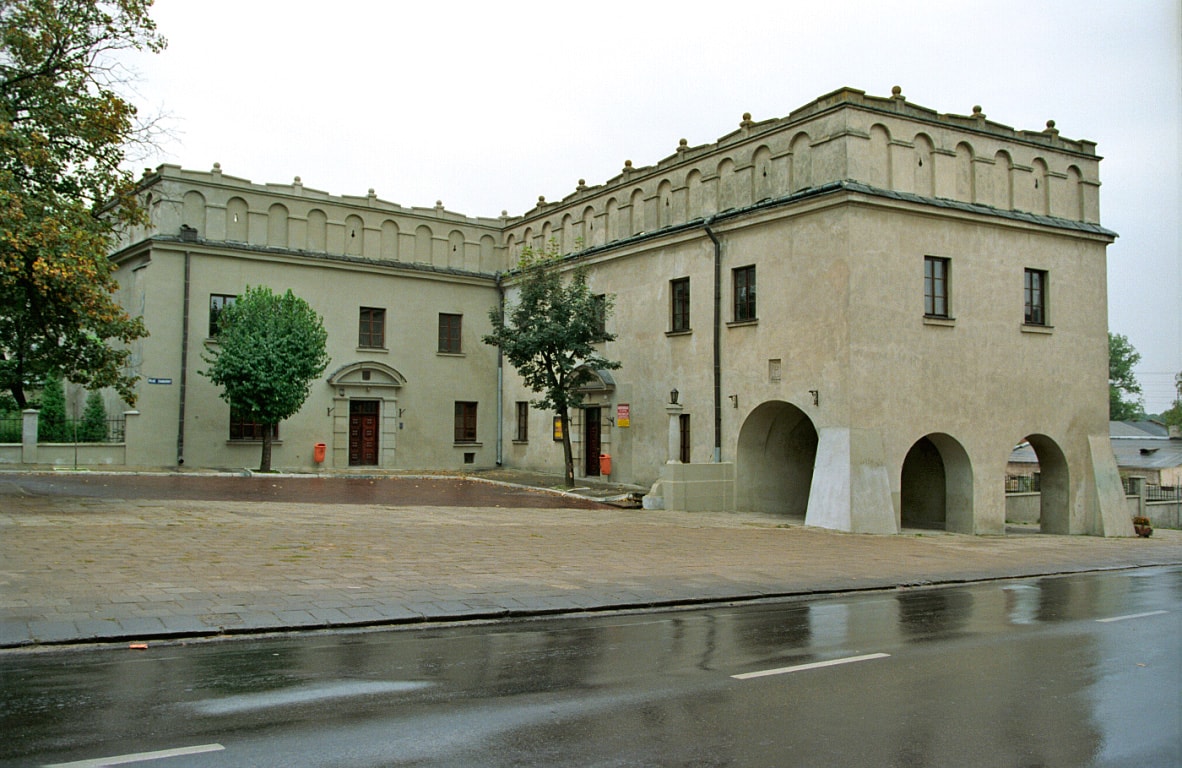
673,397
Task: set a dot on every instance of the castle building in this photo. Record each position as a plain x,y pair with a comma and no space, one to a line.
862,306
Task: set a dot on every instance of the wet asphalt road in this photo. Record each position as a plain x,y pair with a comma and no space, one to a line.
1061,672
387,491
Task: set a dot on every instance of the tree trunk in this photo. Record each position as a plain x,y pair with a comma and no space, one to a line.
567,453
265,462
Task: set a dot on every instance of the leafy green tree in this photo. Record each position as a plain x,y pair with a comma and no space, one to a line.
51,422
93,428
269,350
1172,416
549,336
64,131
1124,393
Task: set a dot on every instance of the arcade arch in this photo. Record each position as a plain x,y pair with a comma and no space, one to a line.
1054,483
776,453
936,485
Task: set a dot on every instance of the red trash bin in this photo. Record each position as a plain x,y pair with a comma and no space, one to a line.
605,463
318,452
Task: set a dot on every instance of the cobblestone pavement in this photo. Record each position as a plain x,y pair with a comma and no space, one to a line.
81,569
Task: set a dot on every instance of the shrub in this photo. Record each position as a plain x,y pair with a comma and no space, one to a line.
51,426
93,428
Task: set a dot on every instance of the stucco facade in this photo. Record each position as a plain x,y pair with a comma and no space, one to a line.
863,307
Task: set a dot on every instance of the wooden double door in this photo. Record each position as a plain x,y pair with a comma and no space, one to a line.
364,421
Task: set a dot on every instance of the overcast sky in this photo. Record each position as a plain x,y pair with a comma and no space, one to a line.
487,105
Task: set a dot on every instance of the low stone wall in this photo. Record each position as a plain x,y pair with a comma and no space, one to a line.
695,488
84,454
1164,514
1023,507
65,454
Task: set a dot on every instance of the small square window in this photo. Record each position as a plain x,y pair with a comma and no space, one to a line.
450,327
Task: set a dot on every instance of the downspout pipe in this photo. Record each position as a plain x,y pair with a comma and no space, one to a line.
500,382
717,338
180,427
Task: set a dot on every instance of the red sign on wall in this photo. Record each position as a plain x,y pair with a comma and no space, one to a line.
623,415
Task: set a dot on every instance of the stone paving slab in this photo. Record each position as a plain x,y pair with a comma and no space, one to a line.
84,570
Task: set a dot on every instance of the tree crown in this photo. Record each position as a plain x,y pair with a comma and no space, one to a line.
269,350
1124,392
549,334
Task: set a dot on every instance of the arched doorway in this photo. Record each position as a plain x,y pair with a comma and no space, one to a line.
776,452
936,485
365,414
1054,511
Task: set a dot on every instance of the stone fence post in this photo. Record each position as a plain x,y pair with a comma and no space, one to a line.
29,435
1137,488
131,442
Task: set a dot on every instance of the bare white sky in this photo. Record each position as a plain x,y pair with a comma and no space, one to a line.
485,105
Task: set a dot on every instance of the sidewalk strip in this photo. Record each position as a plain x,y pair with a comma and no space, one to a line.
1132,616
813,665
140,757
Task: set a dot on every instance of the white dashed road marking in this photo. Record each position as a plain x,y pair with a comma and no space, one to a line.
140,757
813,665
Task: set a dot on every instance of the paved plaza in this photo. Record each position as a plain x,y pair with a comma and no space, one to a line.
98,567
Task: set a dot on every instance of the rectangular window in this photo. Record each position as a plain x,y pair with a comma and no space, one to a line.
1036,297
449,333
218,302
600,304
465,422
935,286
744,284
372,330
242,427
679,304
522,435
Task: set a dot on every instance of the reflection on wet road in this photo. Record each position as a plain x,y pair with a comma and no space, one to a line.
388,491
1072,671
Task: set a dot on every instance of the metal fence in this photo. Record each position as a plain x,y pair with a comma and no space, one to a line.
1163,493
76,430
1023,483
11,431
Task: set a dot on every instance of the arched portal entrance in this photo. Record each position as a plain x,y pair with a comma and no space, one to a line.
777,450
1054,511
364,414
936,486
